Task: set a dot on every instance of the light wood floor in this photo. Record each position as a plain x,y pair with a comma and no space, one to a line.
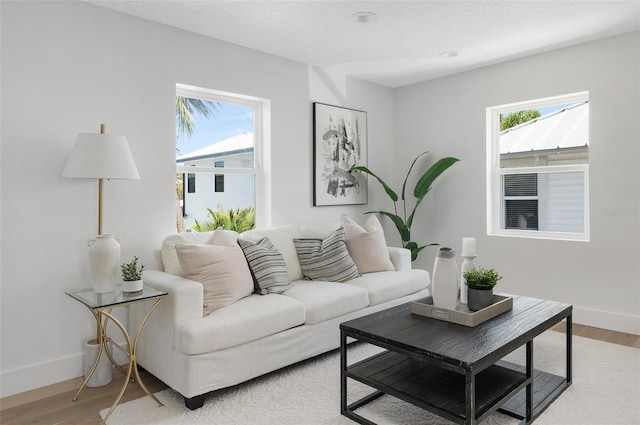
53,406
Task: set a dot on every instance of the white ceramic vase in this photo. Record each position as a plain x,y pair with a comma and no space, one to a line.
104,259
467,264
445,279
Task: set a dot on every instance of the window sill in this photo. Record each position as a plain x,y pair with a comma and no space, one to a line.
529,234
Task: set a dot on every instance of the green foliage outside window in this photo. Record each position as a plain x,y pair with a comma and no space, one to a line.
516,118
237,219
186,107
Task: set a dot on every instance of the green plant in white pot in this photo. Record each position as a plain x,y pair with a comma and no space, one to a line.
132,276
480,283
401,220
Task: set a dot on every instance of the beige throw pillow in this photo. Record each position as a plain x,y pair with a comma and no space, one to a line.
367,244
224,238
222,270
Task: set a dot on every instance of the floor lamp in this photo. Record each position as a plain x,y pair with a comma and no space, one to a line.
101,156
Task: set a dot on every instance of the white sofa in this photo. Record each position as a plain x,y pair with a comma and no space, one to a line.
258,334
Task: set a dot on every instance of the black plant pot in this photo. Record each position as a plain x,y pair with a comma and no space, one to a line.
477,299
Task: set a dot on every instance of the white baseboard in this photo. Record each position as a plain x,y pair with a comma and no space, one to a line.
39,375
607,320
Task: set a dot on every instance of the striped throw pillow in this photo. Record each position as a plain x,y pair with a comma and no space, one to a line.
326,259
267,266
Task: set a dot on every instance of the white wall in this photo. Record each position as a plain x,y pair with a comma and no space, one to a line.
66,68
601,278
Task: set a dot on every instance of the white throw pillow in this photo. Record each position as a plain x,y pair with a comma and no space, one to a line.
367,245
222,270
170,261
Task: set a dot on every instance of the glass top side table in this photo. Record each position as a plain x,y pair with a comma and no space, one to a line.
101,306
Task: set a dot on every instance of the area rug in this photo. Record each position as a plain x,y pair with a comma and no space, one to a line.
605,390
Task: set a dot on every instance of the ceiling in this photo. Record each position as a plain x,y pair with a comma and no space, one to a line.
407,42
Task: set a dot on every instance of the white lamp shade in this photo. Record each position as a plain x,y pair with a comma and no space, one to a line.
101,156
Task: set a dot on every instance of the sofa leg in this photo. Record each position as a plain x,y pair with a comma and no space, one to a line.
194,403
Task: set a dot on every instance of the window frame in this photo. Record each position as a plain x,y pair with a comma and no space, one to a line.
261,145
494,175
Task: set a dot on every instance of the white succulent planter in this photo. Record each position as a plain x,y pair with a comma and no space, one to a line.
129,286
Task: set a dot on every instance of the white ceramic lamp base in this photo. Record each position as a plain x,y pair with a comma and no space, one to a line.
104,257
104,371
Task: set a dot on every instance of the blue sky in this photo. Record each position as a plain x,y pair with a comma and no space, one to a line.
553,108
229,120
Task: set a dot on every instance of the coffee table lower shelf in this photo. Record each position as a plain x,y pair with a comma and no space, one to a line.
547,387
500,386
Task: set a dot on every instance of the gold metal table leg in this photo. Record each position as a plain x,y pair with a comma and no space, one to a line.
106,348
133,364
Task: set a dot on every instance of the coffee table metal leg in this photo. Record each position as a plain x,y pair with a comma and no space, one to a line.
343,372
470,397
569,349
529,396
345,409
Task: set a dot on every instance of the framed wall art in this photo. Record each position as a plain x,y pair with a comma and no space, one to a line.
339,143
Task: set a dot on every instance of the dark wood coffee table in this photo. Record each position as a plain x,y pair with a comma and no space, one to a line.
456,371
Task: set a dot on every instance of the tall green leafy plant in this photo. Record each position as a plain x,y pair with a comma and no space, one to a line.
238,219
404,222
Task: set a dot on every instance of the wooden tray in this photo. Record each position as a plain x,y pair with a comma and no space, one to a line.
462,315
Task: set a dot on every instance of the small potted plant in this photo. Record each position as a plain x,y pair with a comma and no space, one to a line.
480,282
132,276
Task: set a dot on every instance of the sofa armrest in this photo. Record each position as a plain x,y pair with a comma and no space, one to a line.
156,348
185,298
400,257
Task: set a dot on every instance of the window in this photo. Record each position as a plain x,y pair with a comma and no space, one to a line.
219,143
521,201
538,168
219,178
191,183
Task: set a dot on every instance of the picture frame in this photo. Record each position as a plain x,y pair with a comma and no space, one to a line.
339,143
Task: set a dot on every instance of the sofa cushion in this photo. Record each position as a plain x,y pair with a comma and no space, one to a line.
326,300
326,259
267,266
387,286
282,239
248,319
222,271
367,244
170,260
